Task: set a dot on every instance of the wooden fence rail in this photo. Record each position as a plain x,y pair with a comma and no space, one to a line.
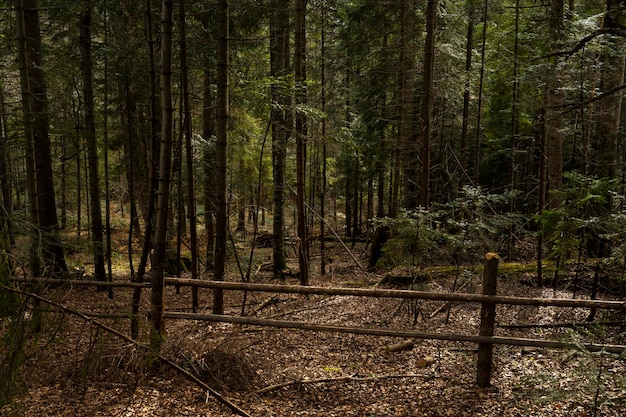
357,292
453,337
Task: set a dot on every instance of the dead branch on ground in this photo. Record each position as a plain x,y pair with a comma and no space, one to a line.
157,355
355,378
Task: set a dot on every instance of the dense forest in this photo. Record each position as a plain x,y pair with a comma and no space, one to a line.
431,131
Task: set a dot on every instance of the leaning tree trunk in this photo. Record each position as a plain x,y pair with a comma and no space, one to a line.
90,137
165,165
221,153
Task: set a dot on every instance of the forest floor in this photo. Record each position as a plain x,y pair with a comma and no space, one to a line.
73,368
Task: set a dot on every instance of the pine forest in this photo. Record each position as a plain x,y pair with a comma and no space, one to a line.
313,207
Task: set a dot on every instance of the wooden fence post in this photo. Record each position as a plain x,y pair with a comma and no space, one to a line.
487,320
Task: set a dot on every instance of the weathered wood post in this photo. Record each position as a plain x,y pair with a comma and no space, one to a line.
487,320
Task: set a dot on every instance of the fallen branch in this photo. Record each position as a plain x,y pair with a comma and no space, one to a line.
338,379
157,355
268,301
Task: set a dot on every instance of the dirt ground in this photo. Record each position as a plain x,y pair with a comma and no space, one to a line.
77,369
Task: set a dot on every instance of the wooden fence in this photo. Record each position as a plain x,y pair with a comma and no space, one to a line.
488,301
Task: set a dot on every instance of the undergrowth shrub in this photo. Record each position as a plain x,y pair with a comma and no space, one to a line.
459,231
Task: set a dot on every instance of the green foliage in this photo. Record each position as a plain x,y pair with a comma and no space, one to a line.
585,216
459,231
588,376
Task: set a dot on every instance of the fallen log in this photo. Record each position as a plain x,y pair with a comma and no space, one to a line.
399,347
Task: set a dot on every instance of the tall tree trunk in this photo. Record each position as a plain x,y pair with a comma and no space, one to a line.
130,159
300,78
208,132
469,52
221,224
191,211
483,52
554,100
408,118
324,179
35,108
7,240
153,181
427,101
165,165
78,146
279,69
604,155
90,137
105,134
